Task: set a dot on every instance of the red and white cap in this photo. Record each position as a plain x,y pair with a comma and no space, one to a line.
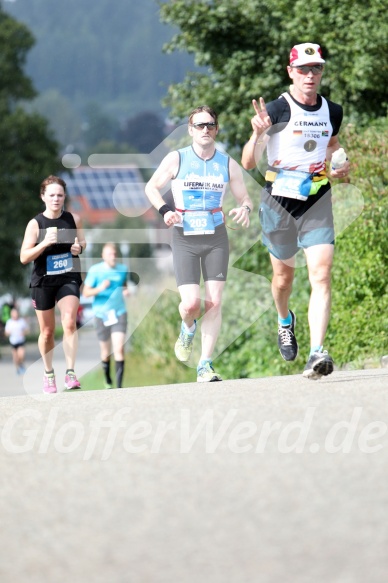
306,54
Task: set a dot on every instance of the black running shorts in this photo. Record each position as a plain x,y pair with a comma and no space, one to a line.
16,346
194,254
44,298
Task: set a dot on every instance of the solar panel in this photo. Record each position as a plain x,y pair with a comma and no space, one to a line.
108,188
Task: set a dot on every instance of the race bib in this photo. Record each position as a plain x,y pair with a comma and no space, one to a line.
292,184
110,318
57,264
198,223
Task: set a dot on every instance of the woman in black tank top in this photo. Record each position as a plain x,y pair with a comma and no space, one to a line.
54,240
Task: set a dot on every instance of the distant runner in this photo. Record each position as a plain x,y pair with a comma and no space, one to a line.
106,283
16,329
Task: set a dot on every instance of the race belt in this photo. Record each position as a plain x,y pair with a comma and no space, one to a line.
270,176
213,211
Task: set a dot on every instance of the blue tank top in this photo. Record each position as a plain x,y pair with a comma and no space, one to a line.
200,185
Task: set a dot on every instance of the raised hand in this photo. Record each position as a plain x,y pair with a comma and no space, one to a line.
261,120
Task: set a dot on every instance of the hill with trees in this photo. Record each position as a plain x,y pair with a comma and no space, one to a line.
107,52
98,65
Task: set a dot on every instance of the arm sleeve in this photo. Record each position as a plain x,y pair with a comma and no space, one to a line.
279,113
336,115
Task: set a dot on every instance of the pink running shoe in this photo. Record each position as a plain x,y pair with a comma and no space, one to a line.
71,381
49,385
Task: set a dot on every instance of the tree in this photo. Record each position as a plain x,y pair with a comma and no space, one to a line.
28,152
99,125
244,45
62,116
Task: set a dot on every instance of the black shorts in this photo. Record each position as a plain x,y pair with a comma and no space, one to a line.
104,332
195,253
17,345
44,298
289,224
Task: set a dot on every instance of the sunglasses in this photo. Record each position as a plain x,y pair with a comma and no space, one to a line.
305,69
211,125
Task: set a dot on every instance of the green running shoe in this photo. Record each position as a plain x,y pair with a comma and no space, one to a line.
206,373
184,344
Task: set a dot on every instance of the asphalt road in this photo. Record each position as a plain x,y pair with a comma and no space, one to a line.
259,480
31,382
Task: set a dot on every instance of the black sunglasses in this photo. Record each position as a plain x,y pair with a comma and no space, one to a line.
211,125
305,69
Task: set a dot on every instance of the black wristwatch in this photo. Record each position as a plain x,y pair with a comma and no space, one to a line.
245,206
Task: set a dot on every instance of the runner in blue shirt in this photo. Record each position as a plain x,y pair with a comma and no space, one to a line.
106,283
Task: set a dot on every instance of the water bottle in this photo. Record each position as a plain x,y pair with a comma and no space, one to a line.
338,159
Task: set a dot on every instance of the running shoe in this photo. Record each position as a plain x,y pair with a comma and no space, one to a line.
108,386
319,364
206,373
287,343
71,381
184,344
49,385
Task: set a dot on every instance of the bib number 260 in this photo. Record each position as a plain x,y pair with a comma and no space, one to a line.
57,264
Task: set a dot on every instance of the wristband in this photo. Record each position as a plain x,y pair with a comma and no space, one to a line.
164,209
80,253
245,206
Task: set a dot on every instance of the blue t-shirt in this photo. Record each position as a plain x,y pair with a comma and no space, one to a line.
112,297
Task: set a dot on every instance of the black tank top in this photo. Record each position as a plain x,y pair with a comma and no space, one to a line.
56,265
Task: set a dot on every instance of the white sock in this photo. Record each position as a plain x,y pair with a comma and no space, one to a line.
191,329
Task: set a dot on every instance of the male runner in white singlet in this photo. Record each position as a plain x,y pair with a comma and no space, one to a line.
300,130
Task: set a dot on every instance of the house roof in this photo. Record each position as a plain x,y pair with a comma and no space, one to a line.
99,194
108,188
